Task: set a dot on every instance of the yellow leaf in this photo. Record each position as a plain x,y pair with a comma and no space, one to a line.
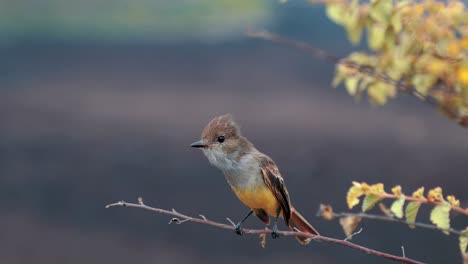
463,240
377,188
453,201
435,195
436,66
364,83
462,74
397,206
361,58
380,10
351,85
453,48
336,12
401,63
365,188
440,216
370,201
411,212
376,36
396,190
349,224
423,82
354,34
339,77
419,9
352,198
419,193
396,22
377,94
464,43
351,23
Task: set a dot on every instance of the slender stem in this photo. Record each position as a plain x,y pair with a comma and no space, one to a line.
422,200
323,55
400,221
180,218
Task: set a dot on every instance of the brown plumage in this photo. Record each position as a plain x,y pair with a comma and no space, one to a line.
252,175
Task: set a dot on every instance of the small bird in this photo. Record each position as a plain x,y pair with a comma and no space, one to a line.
252,175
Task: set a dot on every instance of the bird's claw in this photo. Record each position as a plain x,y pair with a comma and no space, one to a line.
239,230
274,233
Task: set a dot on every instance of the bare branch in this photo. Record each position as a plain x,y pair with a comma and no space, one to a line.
341,242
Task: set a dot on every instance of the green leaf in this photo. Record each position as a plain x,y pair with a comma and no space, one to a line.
366,81
354,34
361,58
376,36
463,240
411,212
423,82
336,13
440,216
370,201
339,77
351,23
397,206
380,10
401,63
377,93
351,85
396,22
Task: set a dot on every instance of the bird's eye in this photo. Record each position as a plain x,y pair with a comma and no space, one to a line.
221,139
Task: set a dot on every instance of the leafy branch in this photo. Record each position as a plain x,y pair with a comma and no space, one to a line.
343,64
181,218
326,212
418,47
439,216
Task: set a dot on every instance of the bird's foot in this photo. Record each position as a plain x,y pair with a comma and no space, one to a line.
274,232
239,229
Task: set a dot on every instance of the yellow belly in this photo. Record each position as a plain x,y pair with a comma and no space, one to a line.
259,198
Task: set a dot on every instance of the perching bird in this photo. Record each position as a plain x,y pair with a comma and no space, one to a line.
252,175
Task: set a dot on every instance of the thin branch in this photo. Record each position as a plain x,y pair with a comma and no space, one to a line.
396,220
299,45
323,55
182,217
423,200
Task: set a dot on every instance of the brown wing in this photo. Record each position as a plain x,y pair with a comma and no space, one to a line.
275,182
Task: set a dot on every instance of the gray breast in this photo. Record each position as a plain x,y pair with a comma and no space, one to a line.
242,173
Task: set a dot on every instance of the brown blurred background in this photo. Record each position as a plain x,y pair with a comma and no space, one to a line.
100,101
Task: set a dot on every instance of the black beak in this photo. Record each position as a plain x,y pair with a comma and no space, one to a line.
198,144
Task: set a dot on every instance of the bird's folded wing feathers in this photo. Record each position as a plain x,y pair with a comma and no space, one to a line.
275,182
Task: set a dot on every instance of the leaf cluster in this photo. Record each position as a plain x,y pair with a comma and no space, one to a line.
417,44
439,216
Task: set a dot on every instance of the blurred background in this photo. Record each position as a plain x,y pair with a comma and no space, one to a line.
99,101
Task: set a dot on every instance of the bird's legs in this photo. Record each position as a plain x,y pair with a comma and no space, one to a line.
239,225
274,232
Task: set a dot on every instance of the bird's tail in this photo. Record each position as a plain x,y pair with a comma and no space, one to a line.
298,223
